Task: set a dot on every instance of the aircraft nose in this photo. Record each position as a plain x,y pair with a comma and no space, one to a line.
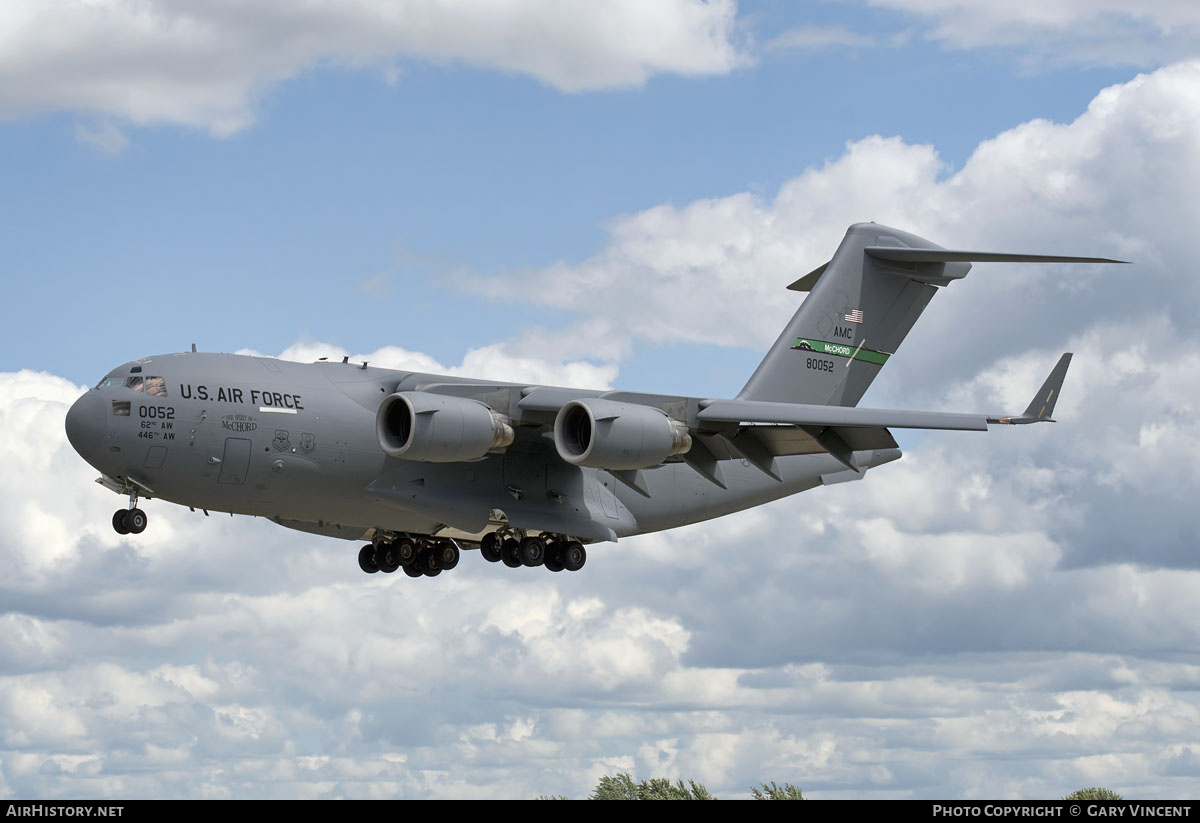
85,424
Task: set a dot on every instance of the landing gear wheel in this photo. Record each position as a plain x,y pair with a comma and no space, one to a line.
427,562
136,520
366,559
387,558
554,557
406,552
509,553
447,555
533,551
413,570
489,547
574,556
120,525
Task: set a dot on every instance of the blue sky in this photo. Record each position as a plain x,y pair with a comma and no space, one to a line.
346,175
612,194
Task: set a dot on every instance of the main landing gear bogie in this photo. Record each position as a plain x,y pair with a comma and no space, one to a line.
427,558
555,552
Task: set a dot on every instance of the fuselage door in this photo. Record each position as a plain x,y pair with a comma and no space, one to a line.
236,461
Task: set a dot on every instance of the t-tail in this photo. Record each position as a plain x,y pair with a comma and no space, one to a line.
861,306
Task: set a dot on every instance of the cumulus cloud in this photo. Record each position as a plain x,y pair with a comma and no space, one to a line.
1002,614
1108,183
499,361
226,657
204,64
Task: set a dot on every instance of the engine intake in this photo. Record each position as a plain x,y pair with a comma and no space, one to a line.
435,428
605,434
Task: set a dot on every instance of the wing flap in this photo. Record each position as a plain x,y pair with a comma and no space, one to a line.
782,440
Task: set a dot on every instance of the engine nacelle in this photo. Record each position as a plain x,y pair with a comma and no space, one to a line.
605,434
435,428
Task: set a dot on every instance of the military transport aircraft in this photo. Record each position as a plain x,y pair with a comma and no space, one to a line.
423,466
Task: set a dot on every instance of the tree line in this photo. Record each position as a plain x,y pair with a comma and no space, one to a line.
623,787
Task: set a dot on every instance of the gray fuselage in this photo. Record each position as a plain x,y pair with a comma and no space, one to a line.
297,443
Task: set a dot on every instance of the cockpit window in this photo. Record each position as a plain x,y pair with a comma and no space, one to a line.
152,385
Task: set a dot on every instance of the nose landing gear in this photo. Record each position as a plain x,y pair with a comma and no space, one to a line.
131,520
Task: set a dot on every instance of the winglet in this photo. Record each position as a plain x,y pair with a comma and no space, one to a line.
1042,405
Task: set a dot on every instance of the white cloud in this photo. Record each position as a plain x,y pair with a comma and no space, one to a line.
204,64
819,38
498,361
1105,32
1109,184
225,657
1008,614
105,138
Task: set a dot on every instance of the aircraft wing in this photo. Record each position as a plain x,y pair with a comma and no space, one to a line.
806,415
800,414
757,431
760,430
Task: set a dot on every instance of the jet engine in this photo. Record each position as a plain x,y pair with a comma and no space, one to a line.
435,428
605,434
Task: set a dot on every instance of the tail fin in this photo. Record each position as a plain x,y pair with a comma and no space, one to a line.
861,306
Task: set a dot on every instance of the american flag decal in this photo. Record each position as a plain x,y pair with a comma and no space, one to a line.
854,316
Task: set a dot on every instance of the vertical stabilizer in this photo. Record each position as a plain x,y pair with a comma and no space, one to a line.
861,306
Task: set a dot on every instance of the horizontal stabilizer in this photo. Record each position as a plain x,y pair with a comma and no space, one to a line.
907,255
1041,407
904,254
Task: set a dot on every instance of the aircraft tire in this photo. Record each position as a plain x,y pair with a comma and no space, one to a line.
366,559
427,562
509,553
447,554
413,570
120,526
489,547
136,520
554,557
406,551
533,551
574,556
387,558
